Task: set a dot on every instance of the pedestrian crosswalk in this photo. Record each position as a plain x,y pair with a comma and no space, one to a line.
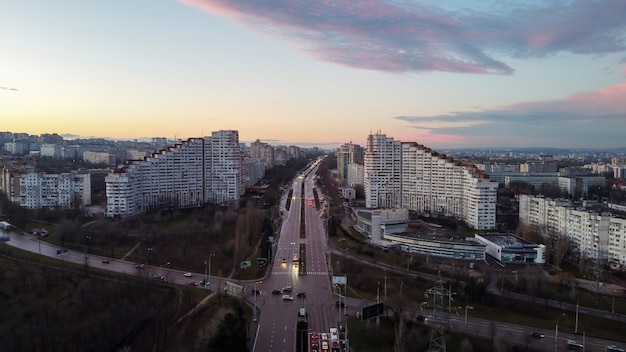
307,273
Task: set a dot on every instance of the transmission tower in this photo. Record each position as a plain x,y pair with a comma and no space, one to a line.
438,321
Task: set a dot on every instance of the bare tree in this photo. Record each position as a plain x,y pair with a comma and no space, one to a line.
396,304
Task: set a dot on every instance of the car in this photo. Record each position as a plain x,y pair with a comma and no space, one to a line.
301,294
614,348
314,344
537,334
324,336
574,344
159,277
340,304
139,266
314,335
324,345
287,289
287,298
193,283
276,292
105,261
187,275
284,260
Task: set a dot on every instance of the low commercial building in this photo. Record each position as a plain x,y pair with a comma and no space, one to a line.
508,248
439,246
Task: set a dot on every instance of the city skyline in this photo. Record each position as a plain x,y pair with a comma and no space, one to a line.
454,74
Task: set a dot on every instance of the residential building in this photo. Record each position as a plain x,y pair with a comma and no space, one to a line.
188,174
407,174
355,175
382,172
40,190
592,234
348,154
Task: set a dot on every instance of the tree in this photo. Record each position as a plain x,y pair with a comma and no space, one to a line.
229,334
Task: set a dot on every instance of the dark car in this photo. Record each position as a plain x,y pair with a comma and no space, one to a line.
340,304
301,294
276,292
537,334
159,277
139,266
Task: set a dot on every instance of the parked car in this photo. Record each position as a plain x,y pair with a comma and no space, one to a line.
187,275
537,334
287,297
340,304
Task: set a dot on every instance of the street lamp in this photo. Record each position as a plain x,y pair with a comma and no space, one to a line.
256,292
466,308
556,331
208,279
149,250
613,303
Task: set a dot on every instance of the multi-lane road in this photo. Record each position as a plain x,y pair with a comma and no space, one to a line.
276,330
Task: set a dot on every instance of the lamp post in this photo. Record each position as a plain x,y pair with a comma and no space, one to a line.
556,331
385,271
162,265
211,255
256,292
466,308
613,303
148,251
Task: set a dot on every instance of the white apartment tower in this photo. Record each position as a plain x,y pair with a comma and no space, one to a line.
188,174
409,175
382,169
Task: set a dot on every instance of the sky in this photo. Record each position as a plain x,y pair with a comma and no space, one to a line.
442,73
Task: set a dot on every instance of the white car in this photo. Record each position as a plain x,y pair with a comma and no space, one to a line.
187,275
288,297
614,348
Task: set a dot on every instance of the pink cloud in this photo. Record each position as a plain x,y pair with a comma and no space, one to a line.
403,37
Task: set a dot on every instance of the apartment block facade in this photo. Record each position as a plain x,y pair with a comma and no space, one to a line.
592,234
41,190
348,154
188,174
407,174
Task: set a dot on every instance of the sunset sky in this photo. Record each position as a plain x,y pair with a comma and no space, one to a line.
446,74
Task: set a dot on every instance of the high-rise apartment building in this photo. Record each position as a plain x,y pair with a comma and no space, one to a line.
188,174
409,175
349,154
382,172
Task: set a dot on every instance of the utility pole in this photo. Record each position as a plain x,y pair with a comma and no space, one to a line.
211,255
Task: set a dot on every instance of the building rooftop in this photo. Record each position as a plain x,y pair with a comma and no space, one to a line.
505,240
